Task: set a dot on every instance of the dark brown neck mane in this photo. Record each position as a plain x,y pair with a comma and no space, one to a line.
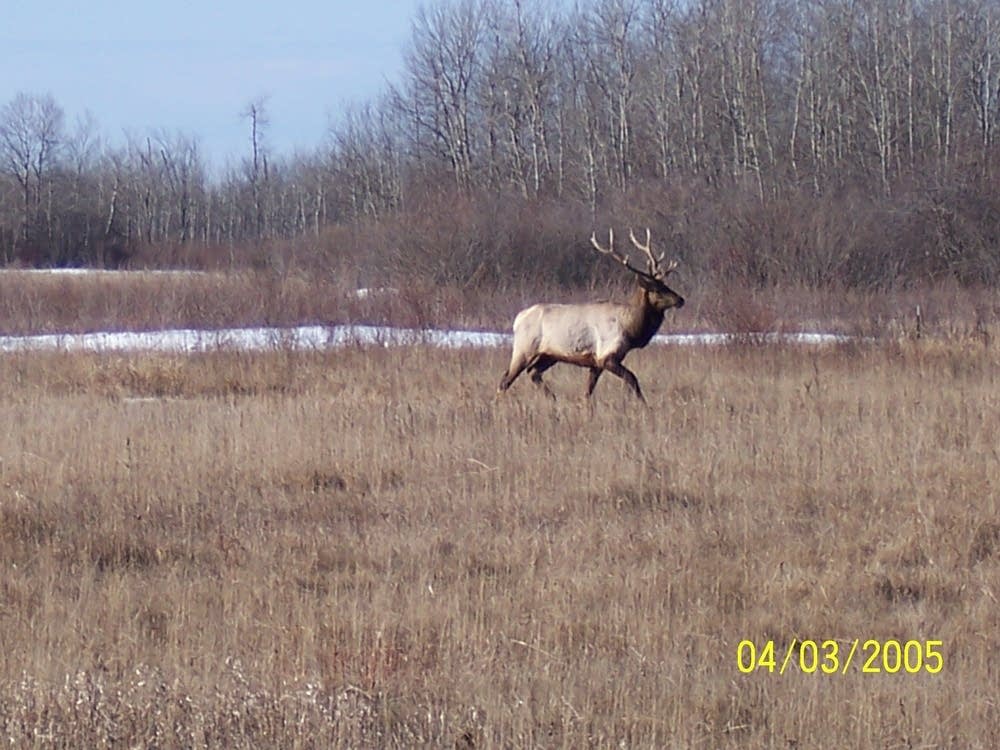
644,320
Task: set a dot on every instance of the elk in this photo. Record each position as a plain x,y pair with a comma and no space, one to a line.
595,335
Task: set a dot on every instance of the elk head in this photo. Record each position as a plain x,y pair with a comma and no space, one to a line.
651,281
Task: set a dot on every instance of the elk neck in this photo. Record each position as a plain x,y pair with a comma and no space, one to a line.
643,320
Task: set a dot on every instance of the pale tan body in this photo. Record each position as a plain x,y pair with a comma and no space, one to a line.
571,332
595,335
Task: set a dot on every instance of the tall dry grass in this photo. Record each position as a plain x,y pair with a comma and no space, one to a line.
364,549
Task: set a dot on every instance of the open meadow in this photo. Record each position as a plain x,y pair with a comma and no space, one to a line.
258,489
364,548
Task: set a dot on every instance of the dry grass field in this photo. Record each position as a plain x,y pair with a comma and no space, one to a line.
364,549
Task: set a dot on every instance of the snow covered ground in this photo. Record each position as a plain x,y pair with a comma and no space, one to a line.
317,337
102,273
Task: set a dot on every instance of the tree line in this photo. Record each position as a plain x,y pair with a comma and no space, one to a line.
797,139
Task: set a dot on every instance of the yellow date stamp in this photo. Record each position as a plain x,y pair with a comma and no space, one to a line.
833,656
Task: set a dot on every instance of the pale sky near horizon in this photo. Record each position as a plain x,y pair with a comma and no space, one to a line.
192,67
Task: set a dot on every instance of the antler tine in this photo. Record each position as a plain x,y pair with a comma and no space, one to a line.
654,262
611,242
610,249
622,258
635,241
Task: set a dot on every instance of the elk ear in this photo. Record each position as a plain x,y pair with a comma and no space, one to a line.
650,285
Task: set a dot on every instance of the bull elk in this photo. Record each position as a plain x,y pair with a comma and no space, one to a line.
595,335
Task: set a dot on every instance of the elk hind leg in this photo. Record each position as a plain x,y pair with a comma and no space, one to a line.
536,369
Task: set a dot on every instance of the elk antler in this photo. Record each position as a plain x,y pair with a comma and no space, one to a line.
653,262
623,259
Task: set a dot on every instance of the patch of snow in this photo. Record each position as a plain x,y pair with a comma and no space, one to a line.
104,272
377,291
319,338
720,339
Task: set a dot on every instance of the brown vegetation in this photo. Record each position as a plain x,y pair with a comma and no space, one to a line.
32,303
40,303
361,549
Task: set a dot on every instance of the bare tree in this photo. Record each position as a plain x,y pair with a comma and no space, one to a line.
443,66
611,28
366,161
257,167
183,174
530,40
31,128
984,72
942,79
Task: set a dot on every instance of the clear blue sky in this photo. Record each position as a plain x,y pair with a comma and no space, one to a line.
148,66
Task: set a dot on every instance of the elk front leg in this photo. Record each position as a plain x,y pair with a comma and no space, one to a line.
617,368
